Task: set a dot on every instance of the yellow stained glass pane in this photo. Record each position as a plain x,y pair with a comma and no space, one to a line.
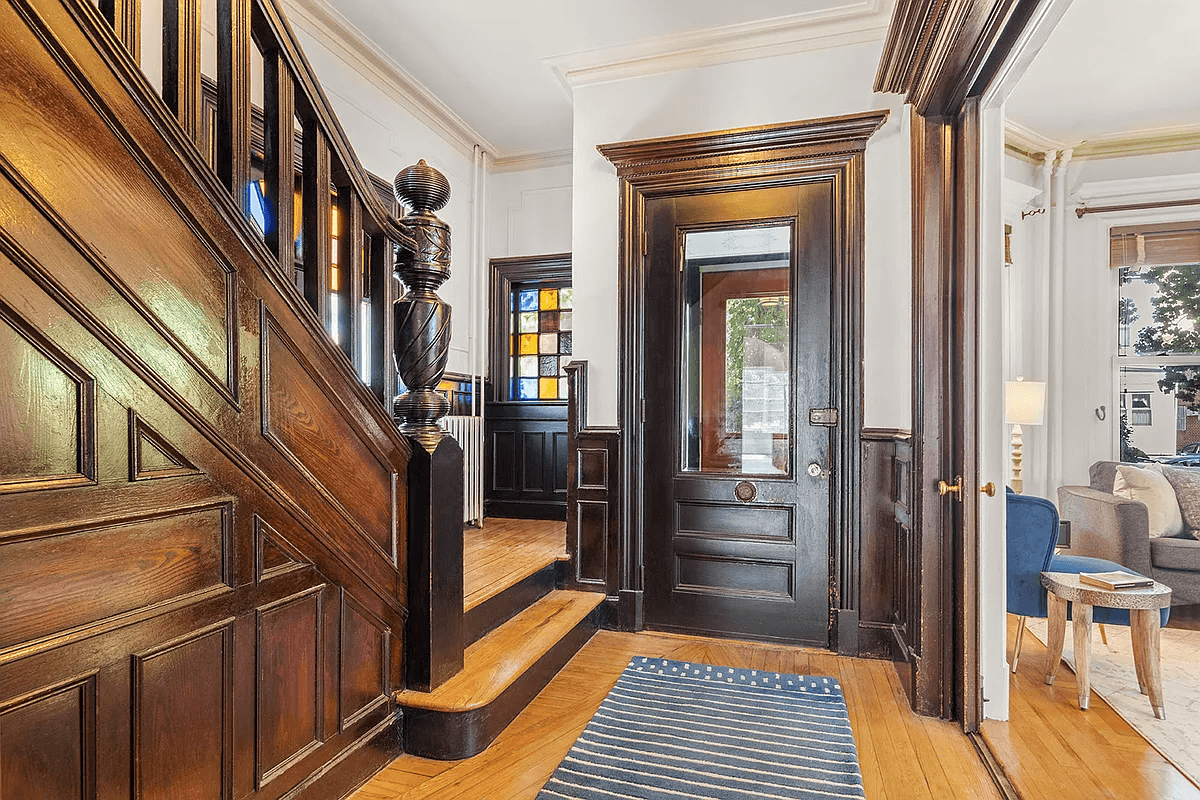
529,344
547,388
512,344
548,300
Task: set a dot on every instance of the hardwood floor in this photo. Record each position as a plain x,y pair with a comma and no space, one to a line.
903,756
1049,748
504,551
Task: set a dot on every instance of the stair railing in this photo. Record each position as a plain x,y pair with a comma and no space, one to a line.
368,237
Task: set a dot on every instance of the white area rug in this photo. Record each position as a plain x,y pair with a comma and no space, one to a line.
1113,678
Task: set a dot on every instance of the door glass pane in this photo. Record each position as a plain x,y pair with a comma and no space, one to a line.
737,351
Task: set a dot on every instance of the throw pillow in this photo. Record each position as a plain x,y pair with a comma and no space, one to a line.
1150,487
1186,483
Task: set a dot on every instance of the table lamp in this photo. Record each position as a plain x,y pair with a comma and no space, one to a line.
1024,404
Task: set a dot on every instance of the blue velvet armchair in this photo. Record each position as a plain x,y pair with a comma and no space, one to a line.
1031,537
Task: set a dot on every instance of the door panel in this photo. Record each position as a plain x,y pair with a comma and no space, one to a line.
737,353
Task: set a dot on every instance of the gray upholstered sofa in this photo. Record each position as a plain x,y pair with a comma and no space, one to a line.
1106,526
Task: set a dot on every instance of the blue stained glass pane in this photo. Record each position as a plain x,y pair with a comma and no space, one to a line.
258,205
527,388
528,300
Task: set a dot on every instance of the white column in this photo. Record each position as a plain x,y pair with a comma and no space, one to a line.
1055,382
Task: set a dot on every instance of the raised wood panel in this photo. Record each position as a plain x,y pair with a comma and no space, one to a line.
727,576
56,579
305,425
559,459
151,455
504,461
591,541
290,686
593,468
47,419
742,523
533,458
47,744
364,664
183,718
193,308
273,554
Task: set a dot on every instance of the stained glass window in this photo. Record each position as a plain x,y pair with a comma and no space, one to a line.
542,326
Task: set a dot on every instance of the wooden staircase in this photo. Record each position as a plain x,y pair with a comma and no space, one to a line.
520,631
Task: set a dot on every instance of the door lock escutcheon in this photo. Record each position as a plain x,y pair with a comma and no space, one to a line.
824,417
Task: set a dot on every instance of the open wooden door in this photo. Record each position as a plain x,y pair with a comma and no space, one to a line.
943,56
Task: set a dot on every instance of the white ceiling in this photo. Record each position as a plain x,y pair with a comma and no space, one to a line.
1113,67
492,62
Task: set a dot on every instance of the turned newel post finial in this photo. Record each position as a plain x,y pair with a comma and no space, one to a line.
422,318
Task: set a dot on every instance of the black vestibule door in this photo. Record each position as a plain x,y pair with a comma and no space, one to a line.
736,375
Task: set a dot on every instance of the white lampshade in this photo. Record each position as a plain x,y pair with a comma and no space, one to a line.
1024,402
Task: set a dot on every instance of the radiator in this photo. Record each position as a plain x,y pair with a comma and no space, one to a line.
468,432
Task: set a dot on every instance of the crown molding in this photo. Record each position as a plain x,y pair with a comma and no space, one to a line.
1138,190
863,21
1028,144
324,23
519,162
1017,197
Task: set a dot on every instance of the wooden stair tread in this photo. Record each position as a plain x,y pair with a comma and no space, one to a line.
495,661
505,552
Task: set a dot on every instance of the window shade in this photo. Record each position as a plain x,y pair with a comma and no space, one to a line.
1154,245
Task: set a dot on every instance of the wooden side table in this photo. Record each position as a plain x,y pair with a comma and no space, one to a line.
1144,607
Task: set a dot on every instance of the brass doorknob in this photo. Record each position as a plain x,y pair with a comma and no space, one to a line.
989,489
950,488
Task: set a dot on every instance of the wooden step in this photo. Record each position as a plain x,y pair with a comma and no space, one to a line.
505,552
501,673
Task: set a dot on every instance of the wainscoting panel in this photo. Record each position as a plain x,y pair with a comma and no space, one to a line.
526,457
592,496
888,569
204,510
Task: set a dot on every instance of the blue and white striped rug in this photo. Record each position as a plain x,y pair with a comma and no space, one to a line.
673,730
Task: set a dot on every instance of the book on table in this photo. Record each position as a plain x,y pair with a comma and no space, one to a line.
1115,580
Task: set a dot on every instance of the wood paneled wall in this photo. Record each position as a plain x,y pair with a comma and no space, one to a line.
888,576
525,460
202,510
593,498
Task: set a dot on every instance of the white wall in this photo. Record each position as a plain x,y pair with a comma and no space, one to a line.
758,92
1091,310
529,212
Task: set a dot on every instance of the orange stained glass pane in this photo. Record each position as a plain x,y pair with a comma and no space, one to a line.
529,344
548,300
547,388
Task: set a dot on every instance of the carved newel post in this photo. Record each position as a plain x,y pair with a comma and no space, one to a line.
423,318
434,631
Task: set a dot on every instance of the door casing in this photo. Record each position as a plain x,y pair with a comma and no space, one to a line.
776,155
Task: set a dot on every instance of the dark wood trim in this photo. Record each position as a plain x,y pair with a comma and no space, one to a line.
554,267
593,496
775,155
939,53
943,56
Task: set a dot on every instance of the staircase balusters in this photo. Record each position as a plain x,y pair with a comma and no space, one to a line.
233,97
350,269
181,63
279,132
382,289
317,220
125,16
